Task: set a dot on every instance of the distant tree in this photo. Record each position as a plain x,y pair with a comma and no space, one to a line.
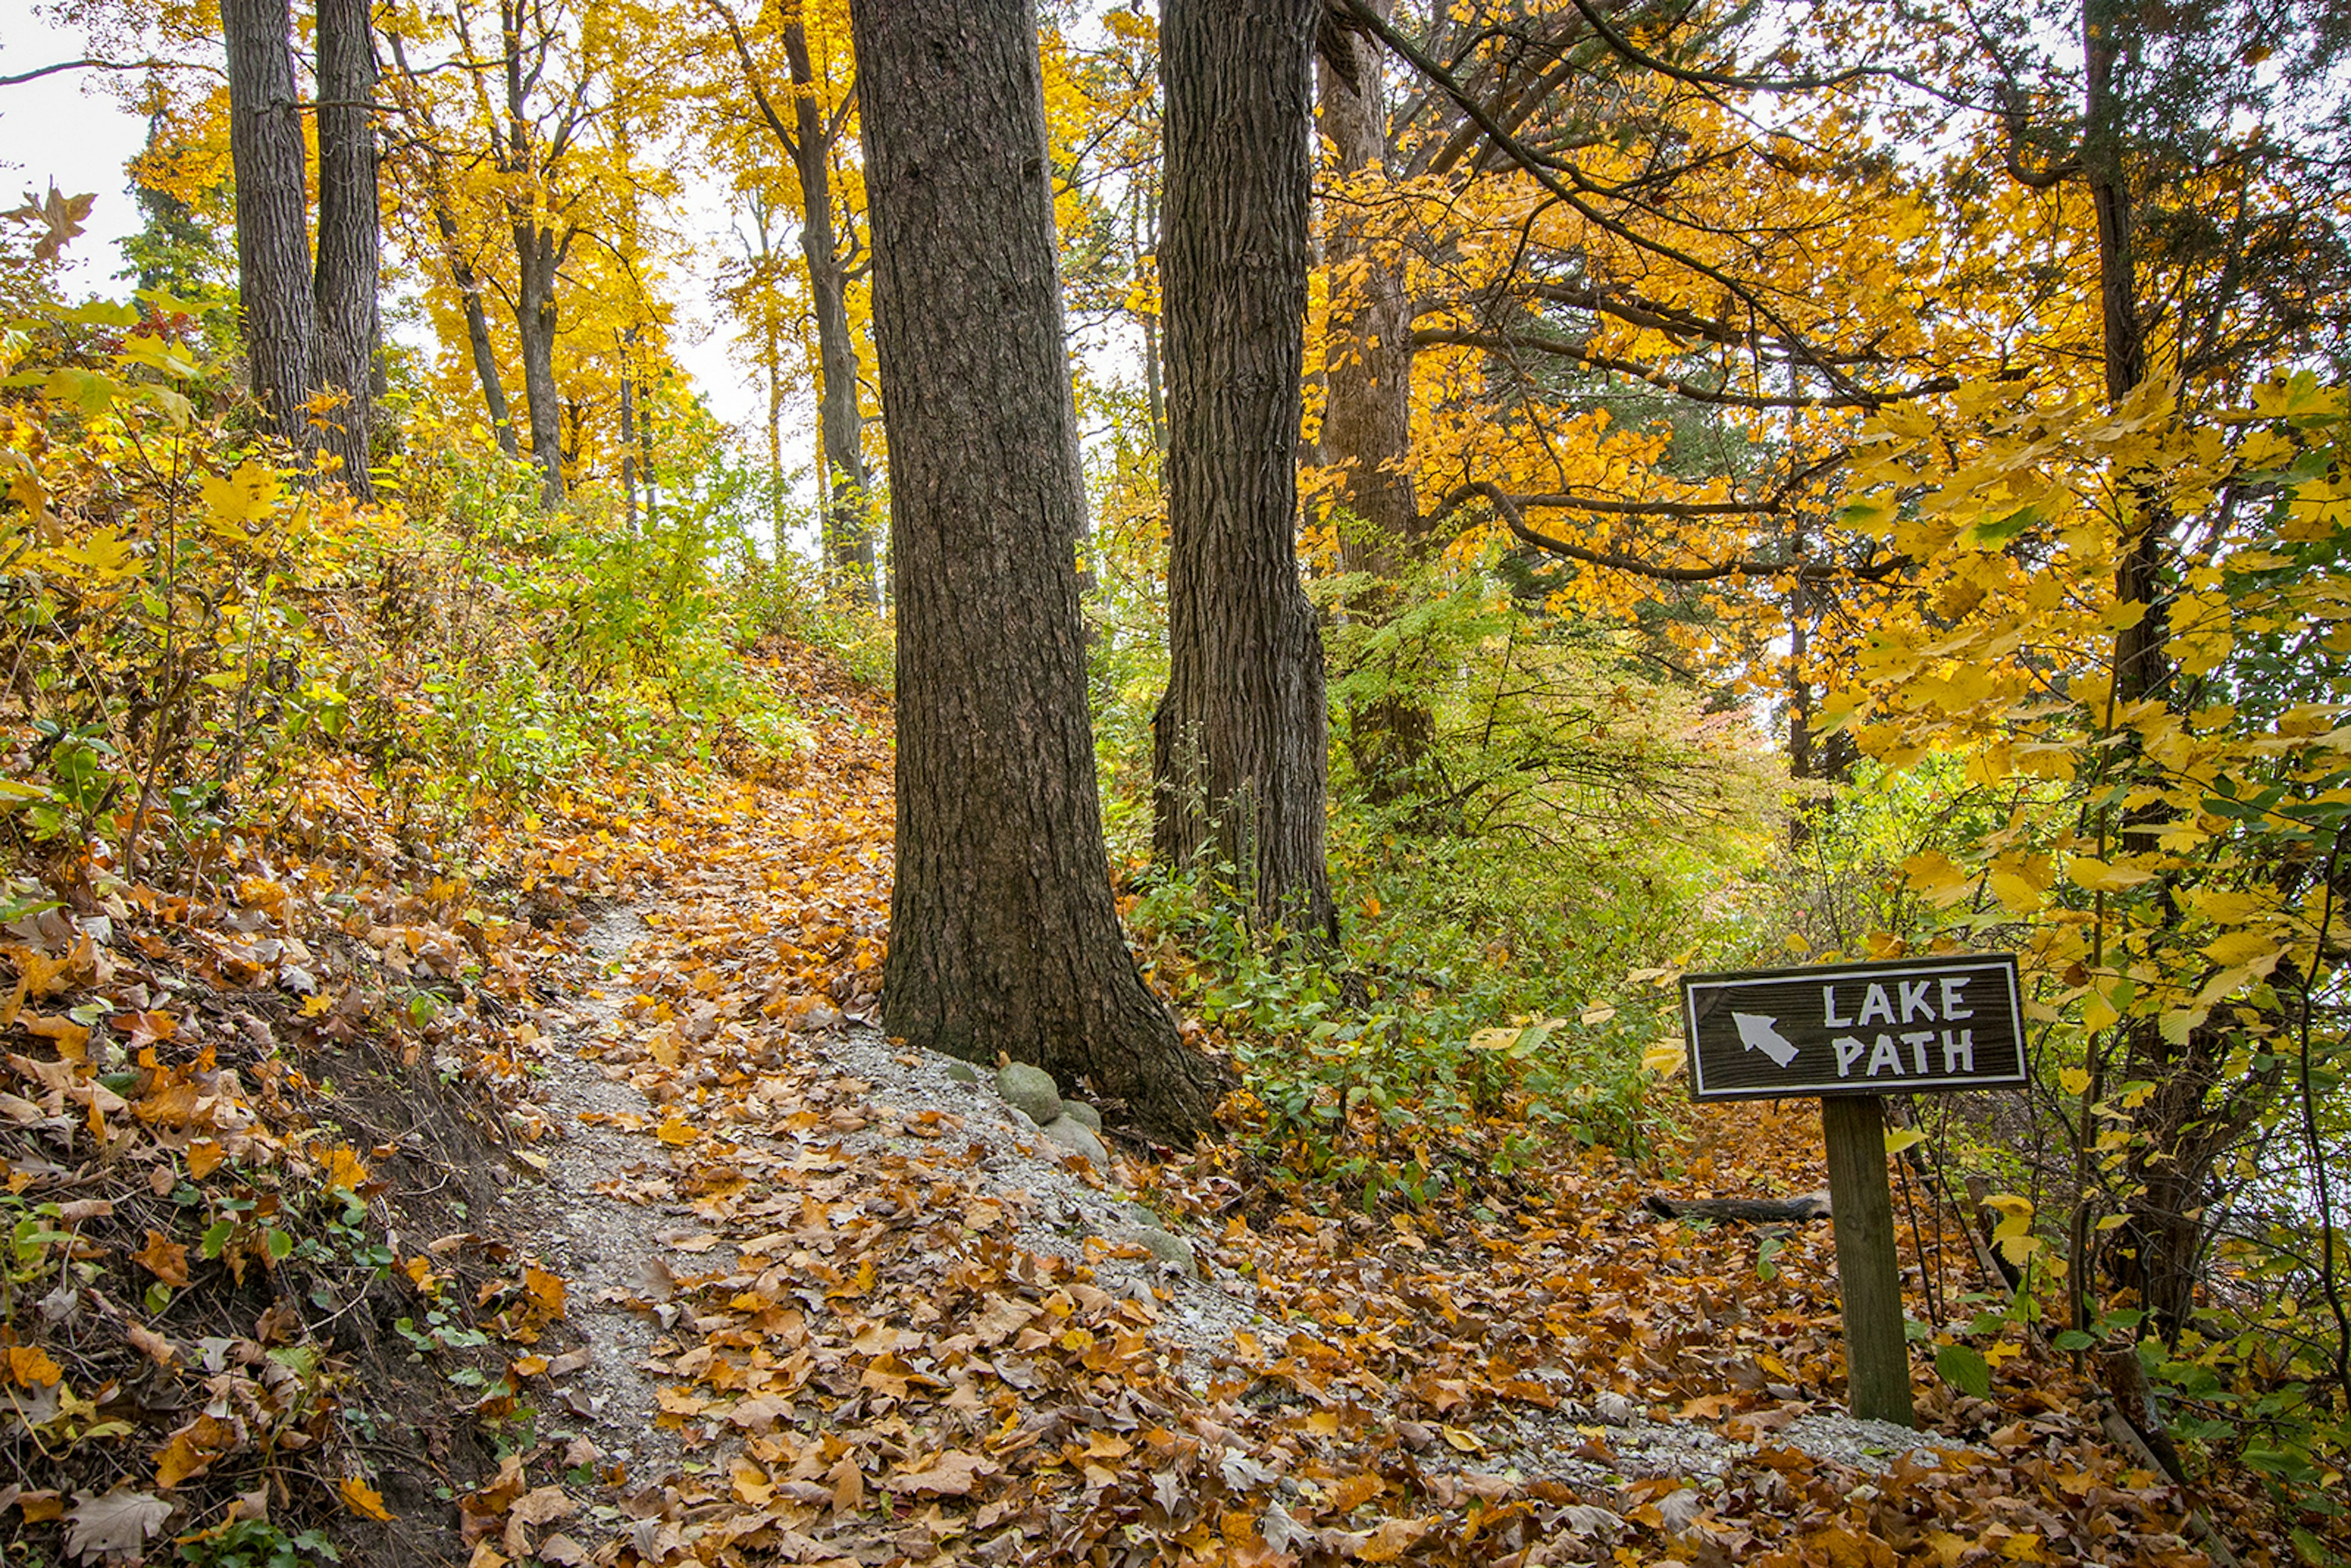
307,331
1004,935
350,245
1240,766
273,230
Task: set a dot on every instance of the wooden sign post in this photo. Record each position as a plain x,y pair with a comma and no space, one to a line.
1853,1033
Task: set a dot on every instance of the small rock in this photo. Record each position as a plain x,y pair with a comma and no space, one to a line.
1078,1138
1614,1409
1084,1114
1172,1251
963,1073
1029,1090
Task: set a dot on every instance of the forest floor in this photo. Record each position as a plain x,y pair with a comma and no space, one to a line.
726,1276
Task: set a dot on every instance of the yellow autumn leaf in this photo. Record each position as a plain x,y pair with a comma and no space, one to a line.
345,1170
1664,1058
1908,1137
29,1366
363,1500
2095,875
2241,947
105,555
234,505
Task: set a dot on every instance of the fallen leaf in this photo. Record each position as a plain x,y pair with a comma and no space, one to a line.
118,1522
164,1258
952,1474
363,1500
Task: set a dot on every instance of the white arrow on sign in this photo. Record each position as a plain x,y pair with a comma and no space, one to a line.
1757,1033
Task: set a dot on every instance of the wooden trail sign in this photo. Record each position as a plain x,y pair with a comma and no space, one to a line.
1908,1026
1851,1034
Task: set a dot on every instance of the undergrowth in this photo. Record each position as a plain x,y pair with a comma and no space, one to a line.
297,799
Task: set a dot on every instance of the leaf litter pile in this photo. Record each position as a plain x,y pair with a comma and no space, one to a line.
572,1210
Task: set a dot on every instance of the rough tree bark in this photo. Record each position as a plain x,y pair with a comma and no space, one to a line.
273,234
1004,935
1238,764
350,239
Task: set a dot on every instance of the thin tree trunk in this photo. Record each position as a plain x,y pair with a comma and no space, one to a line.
1367,354
477,333
1366,400
273,236
848,518
537,257
350,243
462,275
628,436
1238,764
535,321
1003,935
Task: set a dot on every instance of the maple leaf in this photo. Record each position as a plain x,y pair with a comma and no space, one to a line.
363,1500
116,1524
951,1474
31,1367
60,216
163,1258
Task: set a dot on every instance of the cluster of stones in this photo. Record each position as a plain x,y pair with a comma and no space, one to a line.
1077,1126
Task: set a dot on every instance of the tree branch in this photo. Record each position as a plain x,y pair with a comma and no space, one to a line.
99,65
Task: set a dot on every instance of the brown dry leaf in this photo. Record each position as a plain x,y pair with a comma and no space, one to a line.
848,1486
952,1474
1393,1539
116,1523
164,1258
546,1289
1001,1319
540,1505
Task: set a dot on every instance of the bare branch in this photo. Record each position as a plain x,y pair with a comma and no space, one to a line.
99,65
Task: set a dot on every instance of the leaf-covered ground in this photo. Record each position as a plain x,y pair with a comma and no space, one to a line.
571,1210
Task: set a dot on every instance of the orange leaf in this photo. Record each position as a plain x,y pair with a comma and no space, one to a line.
30,1365
546,1289
204,1157
167,1260
345,1170
364,1500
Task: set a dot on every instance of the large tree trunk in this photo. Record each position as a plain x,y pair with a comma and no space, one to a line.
350,241
848,515
1238,764
273,234
1003,935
